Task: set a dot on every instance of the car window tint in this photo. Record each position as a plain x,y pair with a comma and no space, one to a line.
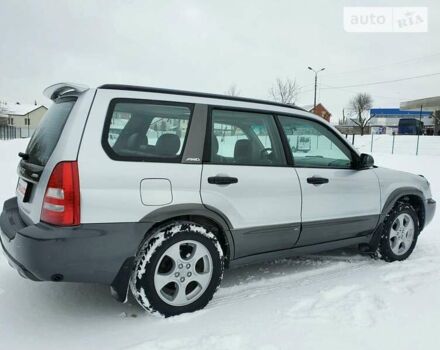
245,138
314,145
147,131
48,132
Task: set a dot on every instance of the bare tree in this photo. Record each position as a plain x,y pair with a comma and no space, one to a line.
233,90
359,106
284,91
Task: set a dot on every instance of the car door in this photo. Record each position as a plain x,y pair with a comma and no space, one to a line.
338,201
246,179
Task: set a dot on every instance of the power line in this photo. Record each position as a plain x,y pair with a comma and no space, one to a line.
383,81
411,60
354,91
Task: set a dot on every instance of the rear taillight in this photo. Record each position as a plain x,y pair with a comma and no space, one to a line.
61,203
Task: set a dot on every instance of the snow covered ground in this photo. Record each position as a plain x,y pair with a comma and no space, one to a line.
338,300
403,144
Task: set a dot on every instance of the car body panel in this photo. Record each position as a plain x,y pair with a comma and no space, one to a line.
346,206
391,180
124,203
270,212
66,149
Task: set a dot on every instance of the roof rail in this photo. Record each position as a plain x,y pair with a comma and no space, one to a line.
57,90
193,93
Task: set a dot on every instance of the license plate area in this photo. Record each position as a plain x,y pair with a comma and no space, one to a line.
24,189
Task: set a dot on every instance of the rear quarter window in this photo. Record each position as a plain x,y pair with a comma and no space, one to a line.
138,130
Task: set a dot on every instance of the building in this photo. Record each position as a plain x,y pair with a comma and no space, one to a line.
3,119
23,116
427,104
319,110
386,120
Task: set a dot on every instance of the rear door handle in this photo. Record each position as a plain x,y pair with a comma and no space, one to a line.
222,180
314,180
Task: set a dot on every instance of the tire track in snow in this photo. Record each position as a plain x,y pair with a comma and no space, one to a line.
234,294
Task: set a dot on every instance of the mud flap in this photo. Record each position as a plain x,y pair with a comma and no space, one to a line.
119,286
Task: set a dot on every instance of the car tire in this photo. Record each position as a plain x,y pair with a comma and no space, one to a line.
178,269
399,233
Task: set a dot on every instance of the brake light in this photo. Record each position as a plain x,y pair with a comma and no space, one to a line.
61,203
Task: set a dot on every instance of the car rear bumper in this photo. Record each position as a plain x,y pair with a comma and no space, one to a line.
430,207
85,253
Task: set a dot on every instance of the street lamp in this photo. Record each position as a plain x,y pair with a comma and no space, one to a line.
417,129
316,83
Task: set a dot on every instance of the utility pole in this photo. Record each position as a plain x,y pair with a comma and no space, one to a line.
316,83
418,131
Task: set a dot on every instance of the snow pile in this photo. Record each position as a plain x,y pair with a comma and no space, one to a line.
336,300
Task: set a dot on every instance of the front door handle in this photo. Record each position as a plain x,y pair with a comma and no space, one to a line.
314,180
222,180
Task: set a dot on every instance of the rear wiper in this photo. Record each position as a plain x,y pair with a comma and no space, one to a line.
24,156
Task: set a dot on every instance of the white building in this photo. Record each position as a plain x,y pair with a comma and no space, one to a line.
23,116
386,120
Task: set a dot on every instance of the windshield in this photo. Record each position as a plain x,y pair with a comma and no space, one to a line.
408,122
46,136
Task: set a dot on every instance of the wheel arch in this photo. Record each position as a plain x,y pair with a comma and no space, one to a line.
409,195
206,216
197,213
405,194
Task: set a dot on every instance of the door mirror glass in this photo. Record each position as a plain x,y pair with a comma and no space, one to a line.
366,161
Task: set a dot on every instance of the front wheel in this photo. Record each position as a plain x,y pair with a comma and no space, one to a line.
400,233
178,269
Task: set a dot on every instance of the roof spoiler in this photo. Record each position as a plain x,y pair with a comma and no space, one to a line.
57,90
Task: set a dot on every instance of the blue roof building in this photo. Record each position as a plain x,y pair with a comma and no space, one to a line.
397,113
386,120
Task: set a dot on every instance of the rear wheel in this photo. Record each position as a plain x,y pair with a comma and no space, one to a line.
400,233
177,270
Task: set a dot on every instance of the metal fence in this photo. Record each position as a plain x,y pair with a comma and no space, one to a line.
397,144
8,132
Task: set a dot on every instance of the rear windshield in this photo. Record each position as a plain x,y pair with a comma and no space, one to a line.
46,136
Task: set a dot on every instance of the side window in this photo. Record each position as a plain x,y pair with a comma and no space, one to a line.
313,145
146,131
244,138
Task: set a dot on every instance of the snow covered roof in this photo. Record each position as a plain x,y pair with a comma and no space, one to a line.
21,109
429,103
310,107
307,107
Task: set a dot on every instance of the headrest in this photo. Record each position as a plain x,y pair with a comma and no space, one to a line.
168,145
243,151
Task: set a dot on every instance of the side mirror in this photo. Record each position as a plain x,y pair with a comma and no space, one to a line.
366,161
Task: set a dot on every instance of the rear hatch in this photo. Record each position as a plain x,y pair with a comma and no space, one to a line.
30,189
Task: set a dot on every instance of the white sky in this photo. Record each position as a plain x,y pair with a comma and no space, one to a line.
208,45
